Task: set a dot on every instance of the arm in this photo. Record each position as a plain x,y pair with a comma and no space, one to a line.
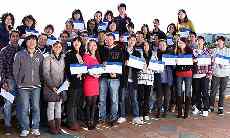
16,67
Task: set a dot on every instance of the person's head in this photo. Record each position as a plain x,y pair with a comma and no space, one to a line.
42,39
101,36
162,45
29,21
14,37
146,47
110,38
182,16
98,16
192,37
92,46
108,16
171,29
156,23
49,29
77,15
121,9
69,26
112,26
132,40
130,27
220,41
140,36
182,42
145,29
31,42
64,36
7,19
200,42
91,24
57,48
76,43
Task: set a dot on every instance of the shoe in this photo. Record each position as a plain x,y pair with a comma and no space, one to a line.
138,121
52,127
205,114
35,132
121,120
142,118
58,125
8,131
220,112
146,118
211,109
112,123
24,133
195,110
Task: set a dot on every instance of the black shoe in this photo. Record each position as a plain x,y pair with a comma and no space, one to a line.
8,131
211,109
112,123
220,112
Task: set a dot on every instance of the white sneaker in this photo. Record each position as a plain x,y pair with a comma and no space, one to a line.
205,114
146,118
142,118
195,111
138,121
121,120
35,132
24,133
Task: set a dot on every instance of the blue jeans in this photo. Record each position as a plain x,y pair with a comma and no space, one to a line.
111,85
188,84
29,99
8,105
131,92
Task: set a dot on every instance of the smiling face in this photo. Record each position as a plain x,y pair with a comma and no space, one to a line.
109,41
132,42
14,38
42,40
220,43
181,15
92,46
122,10
171,29
29,22
181,44
113,27
76,16
98,17
31,43
57,49
146,46
76,45
200,43
8,20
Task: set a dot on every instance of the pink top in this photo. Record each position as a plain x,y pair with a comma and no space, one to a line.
90,83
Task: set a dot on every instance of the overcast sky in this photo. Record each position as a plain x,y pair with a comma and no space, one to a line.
208,16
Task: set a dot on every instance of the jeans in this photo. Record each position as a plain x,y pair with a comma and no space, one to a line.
29,99
130,91
188,83
8,105
143,99
218,83
111,85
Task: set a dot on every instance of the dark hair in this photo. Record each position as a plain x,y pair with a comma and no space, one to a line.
108,12
43,34
140,32
64,32
98,12
50,26
220,38
70,22
186,17
131,24
186,49
31,18
14,31
156,20
131,36
113,21
121,5
4,16
23,45
192,33
75,39
57,42
96,52
174,26
95,28
110,34
77,11
201,37
145,25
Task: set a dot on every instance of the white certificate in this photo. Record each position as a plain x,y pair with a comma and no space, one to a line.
184,34
136,62
50,42
116,34
96,69
78,69
184,60
113,67
156,65
169,59
170,41
222,60
32,32
204,61
63,87
79,26
7,95
102,26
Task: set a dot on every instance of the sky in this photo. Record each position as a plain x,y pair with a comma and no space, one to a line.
208,16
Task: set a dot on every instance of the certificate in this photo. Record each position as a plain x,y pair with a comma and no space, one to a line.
113,67
169,59
50,42
204,60
32,32
102,26
96,69
184,32
170,41
156,65
184,59
222,60
126,36
63,87
78,69
116,34
136,62
79,25
7,95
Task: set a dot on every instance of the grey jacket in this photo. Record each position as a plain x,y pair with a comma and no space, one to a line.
27,70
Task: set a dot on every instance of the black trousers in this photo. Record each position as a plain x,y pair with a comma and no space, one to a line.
163,90
143,99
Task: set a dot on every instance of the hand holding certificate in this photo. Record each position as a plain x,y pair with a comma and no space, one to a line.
79,25
63,87
96,69
222,60
204,60
184,59
78,69
169,59
7,95
136,62
113,67
156,65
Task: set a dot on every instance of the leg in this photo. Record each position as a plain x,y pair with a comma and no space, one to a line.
179,96
134,97
35,101
146,99
223,84
7,113
123,97
167,95
50,116
214,88
58,116
102,99
188,94
204,90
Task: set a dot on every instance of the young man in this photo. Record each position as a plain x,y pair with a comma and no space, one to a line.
110,82
192,40
220,76
156,29
27,71
7,79
129,83
42,44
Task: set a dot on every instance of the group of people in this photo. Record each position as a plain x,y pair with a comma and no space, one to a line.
34,65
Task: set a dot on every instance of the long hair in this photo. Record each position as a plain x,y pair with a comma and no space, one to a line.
185,18
4,16
31,18
77,11
108,12
97,55
24,46
76,39
94,29
174,26
187,49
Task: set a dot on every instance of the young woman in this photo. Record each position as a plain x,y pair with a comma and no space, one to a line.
145,82
69,27
5,27
145,31
53,73
91,83
49,30
183,74
164,81
77,18
171,36
98,17
108,17
92,28
74,94
112,27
